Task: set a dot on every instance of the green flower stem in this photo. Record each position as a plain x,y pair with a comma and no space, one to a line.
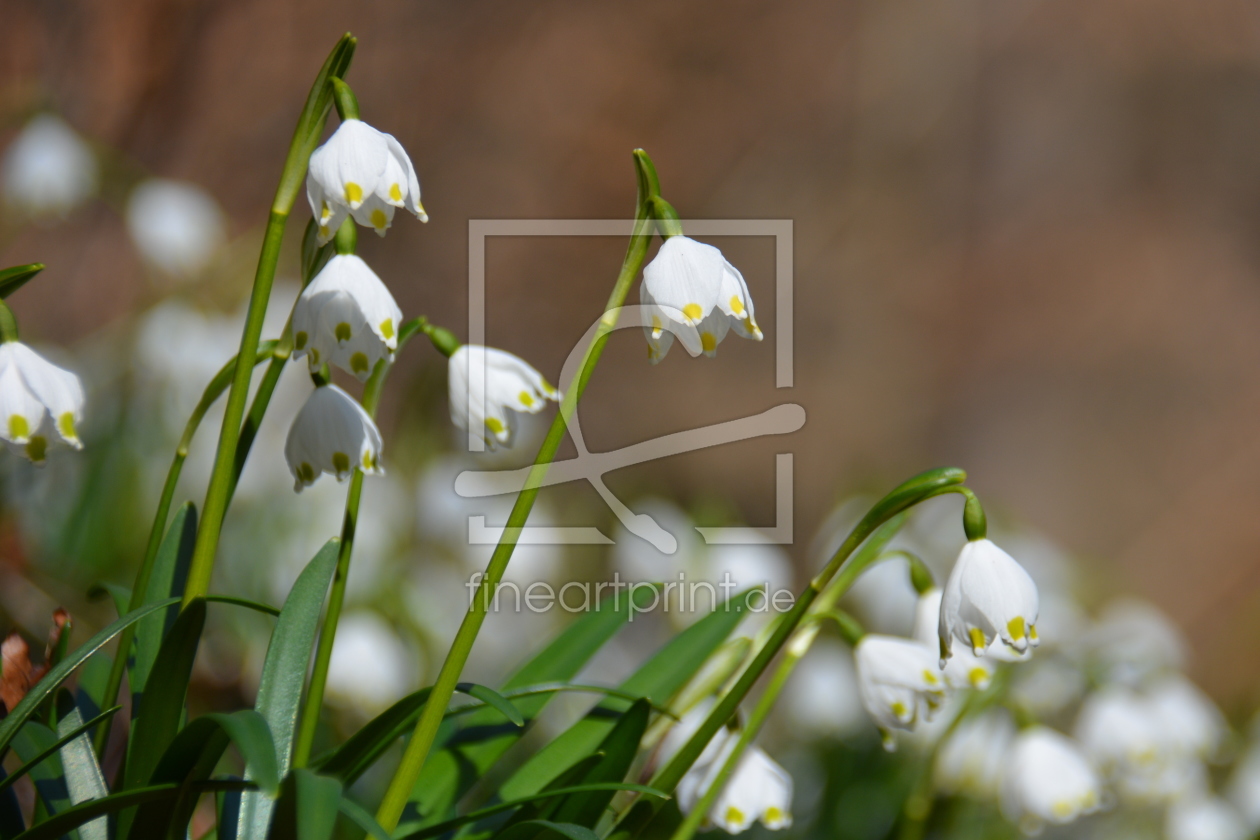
336,598
418,747
8,324
825,606
212,393
305,136
907,495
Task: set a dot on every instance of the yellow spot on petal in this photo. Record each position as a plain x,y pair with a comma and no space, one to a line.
693,311
549,389
527,399
708,342
387,328
65,425
734,816
929,677
977,677
19,429
750,326
737,305
342,331
354,193
1062,809
359,363
368,461
341,462
656,327
1032,634
899,709
299,340
306,473
495,425
36,448
978,641
324,212
324,232
315,357
395,192
1016,628
774,816
378,219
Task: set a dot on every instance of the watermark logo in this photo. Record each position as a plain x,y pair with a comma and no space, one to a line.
591,467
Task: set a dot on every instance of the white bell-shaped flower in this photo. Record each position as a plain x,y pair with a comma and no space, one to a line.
37,397
362,172
1204,817
331,434
1244,786
177,227
48,169
972,760
691,285
1187,719
899,681
1120,733
346,317
988,596
757,790
1048,780
486,405
963,669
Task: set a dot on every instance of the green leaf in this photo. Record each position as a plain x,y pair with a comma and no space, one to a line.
33,741
54,827
547,795
256,606
170,569
494,699
11,822
12,279
359,815
471,748
284,676
542,828
191,758
617,751
84,779
55,677
56,745
307,807
658,680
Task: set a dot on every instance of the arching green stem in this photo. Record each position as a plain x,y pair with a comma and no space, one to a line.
8,324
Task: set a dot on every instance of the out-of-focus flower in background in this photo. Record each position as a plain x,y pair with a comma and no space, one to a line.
1048,780
176,226
48,170
371,665
973,759
1204,817
822,698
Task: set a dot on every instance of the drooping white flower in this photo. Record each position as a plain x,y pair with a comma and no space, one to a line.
1244,786
176,226
37,397
1119,732
331,434
691,285
1204,817
1132,641
48,169
1188,720
972,760
899,682
964,669
346,317
365,173
1048,780
486,405
822,698
988,595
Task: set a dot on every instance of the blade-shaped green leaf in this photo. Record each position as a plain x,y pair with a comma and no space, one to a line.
284,675
307,807
658,679
70,819
360,817
35,740
494,699
84,778
55,677
546,828
26,766
170,568
472,747
617,751
12,279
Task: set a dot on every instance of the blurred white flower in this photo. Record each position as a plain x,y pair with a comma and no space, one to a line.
1188,720
371,666
972,760
36,398
963,669
346,317
822,698
1046,686
988,595
488,407
1244,786
363,172
1204,817
48,169
899,683
1118,730
883,599
1133,640
1047,780
331,434
690,286
176,226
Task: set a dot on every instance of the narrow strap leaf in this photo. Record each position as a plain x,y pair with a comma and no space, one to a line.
12,279
360,817
70,819
536,828
84,779
257,606
492,698
307,807
58,744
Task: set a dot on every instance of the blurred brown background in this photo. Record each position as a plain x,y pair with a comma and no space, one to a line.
1025,231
